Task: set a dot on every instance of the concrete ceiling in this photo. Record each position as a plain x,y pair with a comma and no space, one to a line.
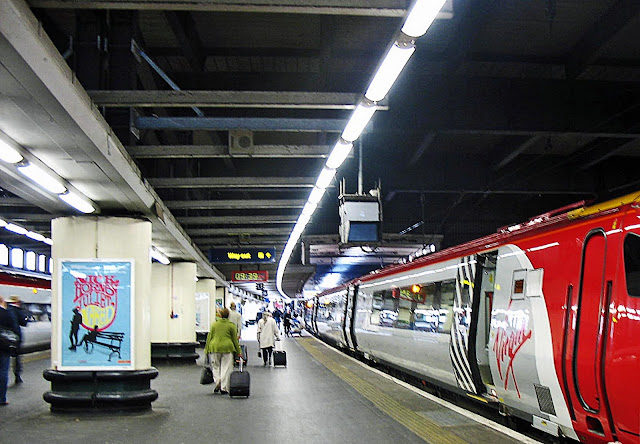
505,111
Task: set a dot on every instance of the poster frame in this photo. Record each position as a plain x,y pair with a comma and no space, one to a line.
132,311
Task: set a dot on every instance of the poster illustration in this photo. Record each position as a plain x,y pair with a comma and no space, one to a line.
96,304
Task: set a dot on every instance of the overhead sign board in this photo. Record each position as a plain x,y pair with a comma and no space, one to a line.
242,255
250,276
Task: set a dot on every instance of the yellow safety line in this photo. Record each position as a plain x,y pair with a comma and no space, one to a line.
421,426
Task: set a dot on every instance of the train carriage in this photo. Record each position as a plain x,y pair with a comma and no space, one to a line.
541,318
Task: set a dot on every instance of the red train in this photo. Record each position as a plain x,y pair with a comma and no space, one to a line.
541,319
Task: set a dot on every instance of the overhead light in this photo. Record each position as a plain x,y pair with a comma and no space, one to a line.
303,220
3,223
35,236
422,14
8,153
389,70
316,195
358,121
325,178
309,208
42,178
77,202
16,229
339,154
155,254
48,241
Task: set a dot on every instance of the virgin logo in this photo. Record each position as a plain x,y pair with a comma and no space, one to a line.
508,343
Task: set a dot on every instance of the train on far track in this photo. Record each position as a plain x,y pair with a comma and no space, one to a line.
35,295
540,320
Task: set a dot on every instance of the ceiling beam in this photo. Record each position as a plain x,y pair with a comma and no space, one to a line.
241,240
253,231
245,123
233,182
184,29
245,204
594,41
370,8
235,220
228,99
222,151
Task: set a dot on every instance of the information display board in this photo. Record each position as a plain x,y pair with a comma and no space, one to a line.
250,276
242,255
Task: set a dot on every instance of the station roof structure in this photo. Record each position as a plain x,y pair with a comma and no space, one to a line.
214,118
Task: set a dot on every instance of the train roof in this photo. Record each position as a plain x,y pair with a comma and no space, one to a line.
541,223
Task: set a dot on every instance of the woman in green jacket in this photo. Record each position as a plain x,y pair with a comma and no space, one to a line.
222,343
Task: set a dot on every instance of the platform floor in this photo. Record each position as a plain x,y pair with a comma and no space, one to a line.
322,396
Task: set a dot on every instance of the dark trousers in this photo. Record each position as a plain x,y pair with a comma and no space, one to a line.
5,360
17,365
266,354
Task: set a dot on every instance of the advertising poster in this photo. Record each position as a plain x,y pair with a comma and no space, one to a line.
97,314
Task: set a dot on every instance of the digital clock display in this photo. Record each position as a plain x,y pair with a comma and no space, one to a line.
250,276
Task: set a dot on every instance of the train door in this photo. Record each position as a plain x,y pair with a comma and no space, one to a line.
484,288
349,316
621,349
583,350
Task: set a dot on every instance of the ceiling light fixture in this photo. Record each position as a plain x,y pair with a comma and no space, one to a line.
422,14
16,229
325,178
42,178
35,236
8,153
155,254
358,121
316,195
389,70
309,208
339,153
78,202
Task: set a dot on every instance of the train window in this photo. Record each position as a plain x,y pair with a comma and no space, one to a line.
4,255
31,260
632,264
17,258
42,264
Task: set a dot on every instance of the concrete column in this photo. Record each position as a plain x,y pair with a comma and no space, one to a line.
205,298
103,240
173,316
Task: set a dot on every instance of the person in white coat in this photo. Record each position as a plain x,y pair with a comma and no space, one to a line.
268,334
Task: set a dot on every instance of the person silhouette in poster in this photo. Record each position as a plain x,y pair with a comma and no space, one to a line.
75,326
89,337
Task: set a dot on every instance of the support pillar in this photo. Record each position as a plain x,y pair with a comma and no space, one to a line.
173,315
205,308
101,272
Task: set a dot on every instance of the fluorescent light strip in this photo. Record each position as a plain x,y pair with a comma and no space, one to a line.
339,154
325,178
16,229
358,121
8,153
421,16
389,70
35,236
418,21
155,254
77,202
42,178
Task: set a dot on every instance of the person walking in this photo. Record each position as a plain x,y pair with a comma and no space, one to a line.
235,318
268,334
14,305
286,321
222,343
9,322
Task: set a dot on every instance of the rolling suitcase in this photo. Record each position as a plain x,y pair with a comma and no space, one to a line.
239,382
279,356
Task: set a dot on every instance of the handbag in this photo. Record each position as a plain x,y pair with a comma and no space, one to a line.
9,341
207,376
259,354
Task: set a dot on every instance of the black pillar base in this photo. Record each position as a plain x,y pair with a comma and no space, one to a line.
175,351
104,391
201,337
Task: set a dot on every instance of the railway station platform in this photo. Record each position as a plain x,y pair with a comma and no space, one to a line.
322,396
